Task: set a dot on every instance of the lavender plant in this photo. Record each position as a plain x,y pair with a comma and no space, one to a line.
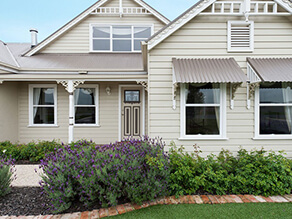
135,169
6,174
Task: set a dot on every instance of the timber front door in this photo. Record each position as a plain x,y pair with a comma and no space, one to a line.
131,112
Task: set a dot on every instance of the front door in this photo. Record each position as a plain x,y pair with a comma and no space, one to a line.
131,112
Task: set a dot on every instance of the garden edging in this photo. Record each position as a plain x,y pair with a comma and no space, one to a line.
188,199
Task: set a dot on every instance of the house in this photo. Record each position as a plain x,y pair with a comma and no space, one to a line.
218,76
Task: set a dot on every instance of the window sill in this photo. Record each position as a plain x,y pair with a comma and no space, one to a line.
87,126
204,139
272,138
43,126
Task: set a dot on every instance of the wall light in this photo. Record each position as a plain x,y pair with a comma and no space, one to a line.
108,91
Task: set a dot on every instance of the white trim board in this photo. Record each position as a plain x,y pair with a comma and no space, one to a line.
120,108
82,16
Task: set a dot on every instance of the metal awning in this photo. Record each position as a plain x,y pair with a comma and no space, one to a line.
211,70
272,69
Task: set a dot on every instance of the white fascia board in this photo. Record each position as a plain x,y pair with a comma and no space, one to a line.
8,68
64,28
286,4
158,15
179,23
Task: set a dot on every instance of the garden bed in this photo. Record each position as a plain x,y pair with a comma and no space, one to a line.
30,201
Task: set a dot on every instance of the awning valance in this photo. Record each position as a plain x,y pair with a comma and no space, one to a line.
272,69
210,70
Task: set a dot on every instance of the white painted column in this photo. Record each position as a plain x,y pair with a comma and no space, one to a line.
70,86
71,111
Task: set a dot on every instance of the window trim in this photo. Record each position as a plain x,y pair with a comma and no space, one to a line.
222,135
240,49
96,87
91,25
30,103
257,134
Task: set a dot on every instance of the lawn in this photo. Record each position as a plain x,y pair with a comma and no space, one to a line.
250,210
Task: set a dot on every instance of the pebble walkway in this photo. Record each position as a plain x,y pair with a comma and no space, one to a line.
189,199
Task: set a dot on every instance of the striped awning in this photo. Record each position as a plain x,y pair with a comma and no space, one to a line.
210,70
272,69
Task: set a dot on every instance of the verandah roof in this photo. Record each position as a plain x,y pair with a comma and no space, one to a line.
212,70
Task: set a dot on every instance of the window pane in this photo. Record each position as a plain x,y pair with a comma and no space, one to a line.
122,45
132,96
137,45
101,32
202,93
84,115
43,96
142,32
275,93
202,120
122,32
43,115
103,45
84,96
275,120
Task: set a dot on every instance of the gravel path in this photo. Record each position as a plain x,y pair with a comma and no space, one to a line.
26,176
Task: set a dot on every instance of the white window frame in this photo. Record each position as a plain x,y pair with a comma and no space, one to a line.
257,119
111,37
240,49
96,87
31,105
222,105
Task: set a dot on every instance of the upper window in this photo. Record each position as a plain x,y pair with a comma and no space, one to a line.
42,105
203,110
86,105
240,36
118,38
275,109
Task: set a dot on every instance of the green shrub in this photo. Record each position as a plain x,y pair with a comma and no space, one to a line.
256,172
33,151
6,174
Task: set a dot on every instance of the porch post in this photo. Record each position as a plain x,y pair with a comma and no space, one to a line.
70,86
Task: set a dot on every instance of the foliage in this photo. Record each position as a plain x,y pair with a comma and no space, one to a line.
135,169
33,151
256,172
6,174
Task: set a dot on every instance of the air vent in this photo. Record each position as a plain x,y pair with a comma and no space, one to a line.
240,36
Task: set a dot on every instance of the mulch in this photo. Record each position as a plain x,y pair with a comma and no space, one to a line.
27,201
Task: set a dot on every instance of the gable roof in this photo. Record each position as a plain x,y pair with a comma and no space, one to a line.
189,15
83,15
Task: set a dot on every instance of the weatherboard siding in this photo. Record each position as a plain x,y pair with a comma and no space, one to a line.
77,39
8,111
205,37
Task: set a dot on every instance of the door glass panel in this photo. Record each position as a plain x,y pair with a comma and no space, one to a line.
132,96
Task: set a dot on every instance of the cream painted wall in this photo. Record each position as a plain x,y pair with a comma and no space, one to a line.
8,109
77,39
108,117
206,36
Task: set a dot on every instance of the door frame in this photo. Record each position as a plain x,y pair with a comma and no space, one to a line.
120,106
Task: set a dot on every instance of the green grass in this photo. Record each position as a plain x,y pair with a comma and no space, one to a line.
241,211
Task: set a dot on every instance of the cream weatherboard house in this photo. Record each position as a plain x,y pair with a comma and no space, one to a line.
219,76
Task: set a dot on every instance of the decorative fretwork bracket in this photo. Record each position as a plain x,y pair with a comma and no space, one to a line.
70,85
250,92
144,84
174,93
233,89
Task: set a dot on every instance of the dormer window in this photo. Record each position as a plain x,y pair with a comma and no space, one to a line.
118,38
240,36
